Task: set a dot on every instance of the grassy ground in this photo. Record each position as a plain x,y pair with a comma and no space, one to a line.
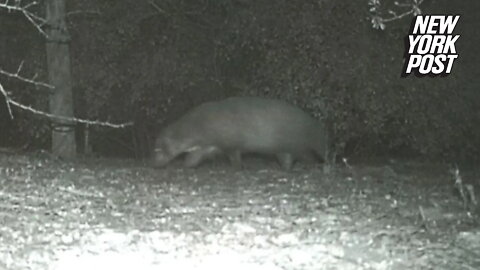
122,215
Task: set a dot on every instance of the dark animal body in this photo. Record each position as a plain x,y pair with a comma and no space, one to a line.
240,125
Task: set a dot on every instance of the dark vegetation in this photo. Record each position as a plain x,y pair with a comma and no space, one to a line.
136,62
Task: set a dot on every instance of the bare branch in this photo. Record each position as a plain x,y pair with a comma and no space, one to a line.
56,117
21,78
30,5
19,68
3,92
379,20
397,17
37,21
10,102
31,17
68,119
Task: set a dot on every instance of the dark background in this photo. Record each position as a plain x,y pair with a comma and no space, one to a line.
134,62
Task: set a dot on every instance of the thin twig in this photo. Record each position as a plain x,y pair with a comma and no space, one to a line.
37,21
68,119
159,9
397,17
9,108
10,101
77,12
21,78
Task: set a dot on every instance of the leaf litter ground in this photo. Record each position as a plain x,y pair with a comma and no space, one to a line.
94,214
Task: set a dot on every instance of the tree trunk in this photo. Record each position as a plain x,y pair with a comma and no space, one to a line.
59,75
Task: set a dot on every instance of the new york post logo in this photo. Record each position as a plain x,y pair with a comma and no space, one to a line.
430,46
